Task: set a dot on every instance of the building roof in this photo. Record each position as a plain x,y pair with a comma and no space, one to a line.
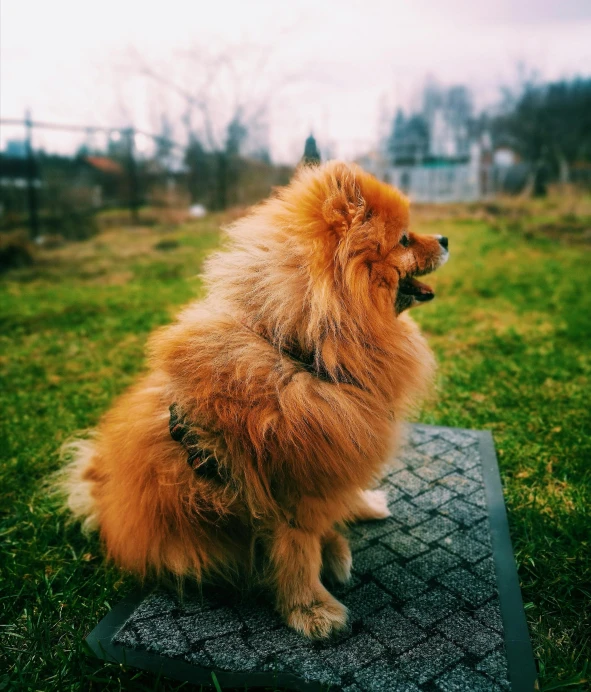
104,165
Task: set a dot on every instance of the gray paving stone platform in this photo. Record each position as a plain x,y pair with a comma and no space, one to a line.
434,600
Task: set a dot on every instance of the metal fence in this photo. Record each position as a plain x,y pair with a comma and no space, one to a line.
62,194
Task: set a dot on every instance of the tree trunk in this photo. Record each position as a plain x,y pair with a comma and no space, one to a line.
540,175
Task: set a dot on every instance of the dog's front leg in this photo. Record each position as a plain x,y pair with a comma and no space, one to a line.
336,557
303,601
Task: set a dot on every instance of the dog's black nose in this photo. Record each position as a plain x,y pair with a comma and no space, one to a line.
443,241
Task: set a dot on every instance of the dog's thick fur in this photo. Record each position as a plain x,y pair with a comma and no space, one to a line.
315,270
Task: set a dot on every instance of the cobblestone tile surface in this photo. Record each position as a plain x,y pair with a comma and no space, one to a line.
424,611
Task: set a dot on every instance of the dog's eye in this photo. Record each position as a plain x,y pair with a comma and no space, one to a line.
404,241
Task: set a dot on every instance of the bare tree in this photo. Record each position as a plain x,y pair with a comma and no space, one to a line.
224,96
219,88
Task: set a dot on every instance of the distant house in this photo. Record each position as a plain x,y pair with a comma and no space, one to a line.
85,182
436,179
435,157
104,165
16,149
102,178
441,179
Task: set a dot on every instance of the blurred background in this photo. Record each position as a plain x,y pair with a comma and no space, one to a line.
186,108
130,133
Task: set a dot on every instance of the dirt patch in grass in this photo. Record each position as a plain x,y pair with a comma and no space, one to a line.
564,216
569,231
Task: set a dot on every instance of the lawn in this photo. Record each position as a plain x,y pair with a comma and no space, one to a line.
511,328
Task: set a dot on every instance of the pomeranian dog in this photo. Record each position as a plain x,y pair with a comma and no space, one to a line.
272,406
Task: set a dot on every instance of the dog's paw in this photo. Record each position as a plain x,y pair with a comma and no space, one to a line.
374,505
336,558
319,619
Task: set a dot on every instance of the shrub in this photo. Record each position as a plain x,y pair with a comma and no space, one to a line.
15,251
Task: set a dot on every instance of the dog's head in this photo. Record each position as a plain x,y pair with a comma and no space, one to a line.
358,229
330,254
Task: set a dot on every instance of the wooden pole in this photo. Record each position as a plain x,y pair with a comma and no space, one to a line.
32,178
132,176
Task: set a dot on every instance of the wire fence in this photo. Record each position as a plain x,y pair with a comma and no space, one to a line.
116,168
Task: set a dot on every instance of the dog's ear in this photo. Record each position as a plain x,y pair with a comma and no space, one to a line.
338,214
344,204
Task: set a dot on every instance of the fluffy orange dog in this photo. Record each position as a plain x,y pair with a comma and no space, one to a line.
283,389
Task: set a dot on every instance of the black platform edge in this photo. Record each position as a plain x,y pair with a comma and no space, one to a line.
522,668
523,673
100,642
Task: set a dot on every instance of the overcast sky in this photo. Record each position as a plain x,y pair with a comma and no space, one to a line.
333,67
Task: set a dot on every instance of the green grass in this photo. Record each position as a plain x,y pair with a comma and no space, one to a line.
512,331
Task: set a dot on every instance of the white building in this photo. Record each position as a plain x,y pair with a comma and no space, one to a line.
452,168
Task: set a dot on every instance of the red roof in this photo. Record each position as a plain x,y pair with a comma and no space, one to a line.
104,165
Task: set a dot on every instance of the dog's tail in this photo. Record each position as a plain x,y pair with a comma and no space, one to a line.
73,486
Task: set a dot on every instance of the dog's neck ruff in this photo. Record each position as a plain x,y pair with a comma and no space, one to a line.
307,361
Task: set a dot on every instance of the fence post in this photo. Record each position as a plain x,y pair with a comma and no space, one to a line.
31,170
132,175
